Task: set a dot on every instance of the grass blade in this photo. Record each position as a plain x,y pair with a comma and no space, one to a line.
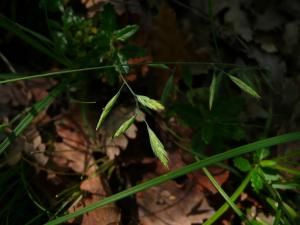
180,172
38,107
223,193
225,206
32,38
245,87
212,91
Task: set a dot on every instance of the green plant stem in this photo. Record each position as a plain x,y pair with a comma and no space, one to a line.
233,198
69,71
182,171
288,170
223,193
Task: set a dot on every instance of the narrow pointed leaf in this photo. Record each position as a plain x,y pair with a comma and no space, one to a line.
245,87
124,126
107,109
212,91
150,103
158,147
167,90
126,32
159,66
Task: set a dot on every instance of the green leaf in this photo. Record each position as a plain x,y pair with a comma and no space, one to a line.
256,180
268,163
159,66
212,91
150,103
124,126
126,32
157,147
245,87
261,154
107,109
242,164
121,64
168,88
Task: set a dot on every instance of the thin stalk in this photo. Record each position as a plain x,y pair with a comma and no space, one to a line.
233,198
223,193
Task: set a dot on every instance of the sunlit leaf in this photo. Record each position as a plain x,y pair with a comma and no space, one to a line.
242,164
256,180
245,87
157,147
124,126
107,109
126,32
150,103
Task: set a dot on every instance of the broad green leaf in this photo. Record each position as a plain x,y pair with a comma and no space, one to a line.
107,109
245,87
126,32
242,164
212,91
150,103
124,126
256,180
157,147
168,88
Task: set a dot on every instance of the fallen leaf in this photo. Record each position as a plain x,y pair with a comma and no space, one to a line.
174,204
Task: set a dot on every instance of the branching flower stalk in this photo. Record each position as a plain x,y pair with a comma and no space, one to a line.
156,145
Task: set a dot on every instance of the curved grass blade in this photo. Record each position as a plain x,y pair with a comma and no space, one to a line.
36,108
31,37
223,193
157,147
124,126
107,109
233,198
180,172
245,87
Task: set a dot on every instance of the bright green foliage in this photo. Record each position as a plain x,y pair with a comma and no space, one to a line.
245,87
124,126
256,180
242,164
150,103
107,109
157,147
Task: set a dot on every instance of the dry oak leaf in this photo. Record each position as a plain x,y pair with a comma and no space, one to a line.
174,204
